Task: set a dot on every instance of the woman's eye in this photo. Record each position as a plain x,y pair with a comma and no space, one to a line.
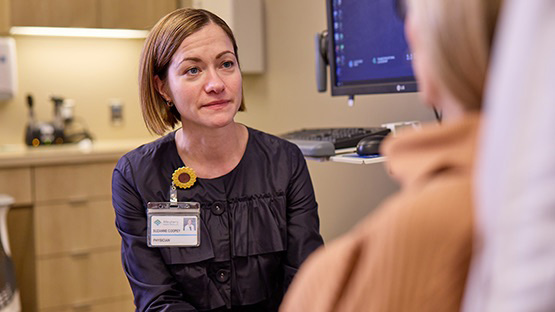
192,71
228,64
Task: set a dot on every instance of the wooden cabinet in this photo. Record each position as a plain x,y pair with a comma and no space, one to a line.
65,245
133,14
16,182
77,247
73,183
59,13
78,280
75,228
4,17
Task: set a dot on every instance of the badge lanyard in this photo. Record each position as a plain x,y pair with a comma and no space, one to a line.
174,223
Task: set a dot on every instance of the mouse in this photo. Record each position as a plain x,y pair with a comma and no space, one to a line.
370,145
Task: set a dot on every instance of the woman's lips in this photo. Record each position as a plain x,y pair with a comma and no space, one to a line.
217,104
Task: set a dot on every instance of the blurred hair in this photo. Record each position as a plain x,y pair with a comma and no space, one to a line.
161,44
459,36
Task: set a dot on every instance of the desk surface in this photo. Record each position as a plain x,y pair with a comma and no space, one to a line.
353,158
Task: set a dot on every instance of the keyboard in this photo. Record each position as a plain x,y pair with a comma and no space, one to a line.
319,142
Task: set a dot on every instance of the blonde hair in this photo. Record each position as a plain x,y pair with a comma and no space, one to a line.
459,36
160,46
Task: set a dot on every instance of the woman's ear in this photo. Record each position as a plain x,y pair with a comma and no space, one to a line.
161,88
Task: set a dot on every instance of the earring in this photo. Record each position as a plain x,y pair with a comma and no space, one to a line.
169,104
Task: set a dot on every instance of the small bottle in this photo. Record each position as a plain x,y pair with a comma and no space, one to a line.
67,111
58,123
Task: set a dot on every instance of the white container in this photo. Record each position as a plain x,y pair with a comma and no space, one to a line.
8,69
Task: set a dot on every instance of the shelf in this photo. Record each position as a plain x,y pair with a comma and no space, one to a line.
353,158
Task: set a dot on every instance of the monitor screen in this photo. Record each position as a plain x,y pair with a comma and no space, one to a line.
367,49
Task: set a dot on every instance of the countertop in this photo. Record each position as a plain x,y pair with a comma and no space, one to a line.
15,155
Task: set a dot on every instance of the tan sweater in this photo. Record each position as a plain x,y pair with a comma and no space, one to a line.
413,252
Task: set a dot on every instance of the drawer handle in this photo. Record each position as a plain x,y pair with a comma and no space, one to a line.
77,200
80,253
81,306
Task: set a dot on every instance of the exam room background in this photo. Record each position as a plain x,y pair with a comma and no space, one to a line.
283,98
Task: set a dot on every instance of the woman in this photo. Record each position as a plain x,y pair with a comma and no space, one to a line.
413,253
258,216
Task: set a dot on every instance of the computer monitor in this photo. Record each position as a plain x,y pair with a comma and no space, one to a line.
367,48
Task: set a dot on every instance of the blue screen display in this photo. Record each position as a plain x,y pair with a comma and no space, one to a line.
368,43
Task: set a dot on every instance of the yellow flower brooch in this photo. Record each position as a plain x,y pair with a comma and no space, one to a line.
184,177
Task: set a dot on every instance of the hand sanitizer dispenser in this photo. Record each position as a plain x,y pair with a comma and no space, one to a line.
8,69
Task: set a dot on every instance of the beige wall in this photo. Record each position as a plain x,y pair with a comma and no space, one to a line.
284,98
90,71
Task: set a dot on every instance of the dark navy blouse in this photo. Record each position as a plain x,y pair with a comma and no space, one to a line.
258,224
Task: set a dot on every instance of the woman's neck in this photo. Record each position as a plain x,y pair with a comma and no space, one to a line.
212,152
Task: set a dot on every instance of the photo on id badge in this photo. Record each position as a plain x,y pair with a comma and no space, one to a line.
190,224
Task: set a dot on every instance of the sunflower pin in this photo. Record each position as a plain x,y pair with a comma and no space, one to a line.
184,177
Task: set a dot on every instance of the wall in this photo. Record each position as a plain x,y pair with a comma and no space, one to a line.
89,70
284,98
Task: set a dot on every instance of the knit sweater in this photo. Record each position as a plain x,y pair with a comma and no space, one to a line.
413,252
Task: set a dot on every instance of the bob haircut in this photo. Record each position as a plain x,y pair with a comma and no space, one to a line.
459,37
161,44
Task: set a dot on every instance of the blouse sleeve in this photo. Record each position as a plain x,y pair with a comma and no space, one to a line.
303,225
153,286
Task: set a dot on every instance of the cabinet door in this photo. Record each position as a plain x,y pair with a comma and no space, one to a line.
54,13
76,281
74,183
4,16
16,182
133,14
75,228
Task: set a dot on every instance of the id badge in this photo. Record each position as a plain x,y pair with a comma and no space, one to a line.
173,224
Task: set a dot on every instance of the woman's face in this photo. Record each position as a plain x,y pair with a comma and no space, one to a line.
204,81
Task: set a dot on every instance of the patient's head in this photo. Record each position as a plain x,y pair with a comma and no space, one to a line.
451,42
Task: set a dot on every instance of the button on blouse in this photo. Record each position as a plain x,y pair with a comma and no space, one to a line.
218,208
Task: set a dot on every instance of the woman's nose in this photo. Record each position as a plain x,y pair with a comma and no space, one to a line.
214,83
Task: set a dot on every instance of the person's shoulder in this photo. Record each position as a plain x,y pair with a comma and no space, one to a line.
318,282
149,151
442,206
